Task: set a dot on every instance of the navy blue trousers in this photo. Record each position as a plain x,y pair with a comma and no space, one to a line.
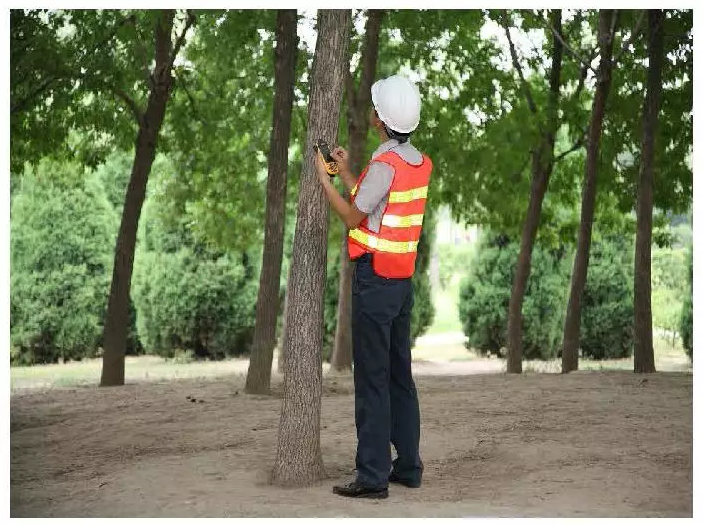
386,404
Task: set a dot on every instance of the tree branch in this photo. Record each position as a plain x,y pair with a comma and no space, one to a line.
19,106
190,20
584,75
191,99
577,145
571,51
129,102
516,64
633,35
63,72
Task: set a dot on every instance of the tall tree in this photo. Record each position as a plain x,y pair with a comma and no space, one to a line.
299,457
69,66
644,349
572,324
542,160
149,123
267,306
358,105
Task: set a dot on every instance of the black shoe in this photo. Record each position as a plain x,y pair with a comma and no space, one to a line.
393,478
355,490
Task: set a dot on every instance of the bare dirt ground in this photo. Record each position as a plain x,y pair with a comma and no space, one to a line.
603,444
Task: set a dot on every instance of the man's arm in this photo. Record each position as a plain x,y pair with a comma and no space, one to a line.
350,214
371,191
348,178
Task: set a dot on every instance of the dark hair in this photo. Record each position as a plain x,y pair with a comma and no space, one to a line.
392,134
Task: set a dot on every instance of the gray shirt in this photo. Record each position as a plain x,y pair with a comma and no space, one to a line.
372,194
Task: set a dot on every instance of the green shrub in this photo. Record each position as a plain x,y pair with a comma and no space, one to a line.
687,311
423,310
190,302
62,242
191,297
669,287
607,314
485,294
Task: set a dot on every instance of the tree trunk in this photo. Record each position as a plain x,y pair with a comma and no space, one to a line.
299,457
644,347
358,105
117,315
572,324
281,343
542,164
267,305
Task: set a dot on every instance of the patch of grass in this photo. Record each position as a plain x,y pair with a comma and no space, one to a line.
446,318
142,368
667,358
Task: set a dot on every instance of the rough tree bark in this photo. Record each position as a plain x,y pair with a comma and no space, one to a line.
299,457
542,164
644,349
358,104
572,323
150,121
267,305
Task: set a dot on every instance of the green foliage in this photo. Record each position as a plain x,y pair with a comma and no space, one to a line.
607,314
454,264
668,288
189,296
330,302
72,70
622,133
188,302
686,326
607,311
485,293
62,233
423,310
220,125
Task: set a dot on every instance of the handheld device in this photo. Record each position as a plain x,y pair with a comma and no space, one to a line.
323,150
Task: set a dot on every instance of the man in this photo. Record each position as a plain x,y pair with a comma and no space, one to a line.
385,221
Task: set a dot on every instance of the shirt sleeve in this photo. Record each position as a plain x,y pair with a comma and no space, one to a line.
374,187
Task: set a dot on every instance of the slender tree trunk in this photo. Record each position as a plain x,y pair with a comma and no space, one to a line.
281,343
644,347
117,315
572,323
542,164
358,105
299,457
267,305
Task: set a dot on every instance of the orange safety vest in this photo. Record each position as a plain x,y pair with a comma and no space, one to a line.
394,247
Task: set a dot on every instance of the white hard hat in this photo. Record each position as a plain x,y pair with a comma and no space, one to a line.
397,101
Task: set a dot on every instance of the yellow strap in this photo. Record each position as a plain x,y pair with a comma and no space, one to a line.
383,245
400,221
407,196
355,189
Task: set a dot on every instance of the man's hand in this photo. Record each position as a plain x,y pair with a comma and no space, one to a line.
320,167
342,158
350,214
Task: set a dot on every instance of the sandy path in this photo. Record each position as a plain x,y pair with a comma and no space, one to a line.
586,444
